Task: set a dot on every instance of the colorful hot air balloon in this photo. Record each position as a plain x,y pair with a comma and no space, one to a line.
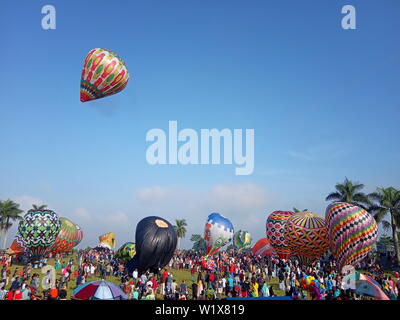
79,236
218,232
242,240
262,248
107,240
17,247
306,235
104,73
155,242
39,230
275,232
66,238
352,232
126,252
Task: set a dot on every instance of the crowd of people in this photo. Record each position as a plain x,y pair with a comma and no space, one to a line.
225,275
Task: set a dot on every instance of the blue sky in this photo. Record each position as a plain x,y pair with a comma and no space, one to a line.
323,101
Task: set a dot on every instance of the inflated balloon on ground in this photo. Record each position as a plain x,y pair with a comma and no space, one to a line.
126,252
306,235
104,73
39,230
262,248
218,232
67,237
275,229
79,236
107,240
155,243
17,247
242,240
352,232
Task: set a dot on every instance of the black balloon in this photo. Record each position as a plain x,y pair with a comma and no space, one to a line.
156,241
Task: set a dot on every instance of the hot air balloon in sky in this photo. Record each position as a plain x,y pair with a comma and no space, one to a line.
126,252
352,232
242,240
67,237
39,230
155,242
104,73
218,232
107,240
275,232
306,235
262,248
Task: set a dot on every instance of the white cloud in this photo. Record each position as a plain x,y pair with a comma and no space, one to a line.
276,172
152,194
81,215
302,156
319,153
244,204
238,197
119,219
27,201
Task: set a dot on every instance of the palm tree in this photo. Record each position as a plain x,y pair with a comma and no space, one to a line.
295,210
387,201
9,211
180,229
39,207
199,244
349,192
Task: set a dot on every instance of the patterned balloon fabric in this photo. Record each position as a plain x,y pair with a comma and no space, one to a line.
262,248
17,247
39,230
218,232
275,232
67,237
306,235
352,232
79,236
242,240
104,73
107,240
126,252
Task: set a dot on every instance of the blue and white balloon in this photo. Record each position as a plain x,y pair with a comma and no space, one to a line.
218,232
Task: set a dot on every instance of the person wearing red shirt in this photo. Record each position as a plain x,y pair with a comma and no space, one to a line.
18,294
154,286
53,293
10,295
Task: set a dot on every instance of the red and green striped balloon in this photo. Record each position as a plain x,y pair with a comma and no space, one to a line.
104,73
67,237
